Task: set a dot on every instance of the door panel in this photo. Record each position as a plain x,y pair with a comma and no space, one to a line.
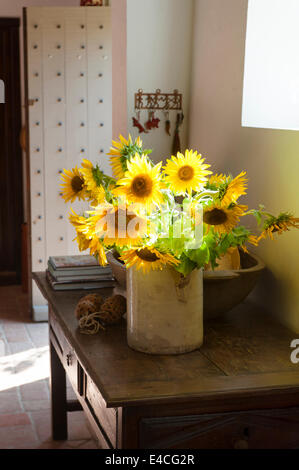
72,78
11,193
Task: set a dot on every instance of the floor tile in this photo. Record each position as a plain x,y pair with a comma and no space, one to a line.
71,394
90,444
16,419
36,405
15,332
55,445
9,401
42,424
25,414
39,333
16,348
34,391
77,427
18,437
3,350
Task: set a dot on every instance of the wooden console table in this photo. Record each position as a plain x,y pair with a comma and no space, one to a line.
240,390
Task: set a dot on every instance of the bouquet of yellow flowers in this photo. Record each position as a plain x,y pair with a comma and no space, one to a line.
179,214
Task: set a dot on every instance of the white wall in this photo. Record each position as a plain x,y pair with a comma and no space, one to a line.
271,157
119,68
271,95
14,8
159,42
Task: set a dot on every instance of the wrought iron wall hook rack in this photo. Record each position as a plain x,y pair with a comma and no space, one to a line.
159,101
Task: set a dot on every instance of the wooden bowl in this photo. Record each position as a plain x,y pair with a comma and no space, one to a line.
118,268
223,290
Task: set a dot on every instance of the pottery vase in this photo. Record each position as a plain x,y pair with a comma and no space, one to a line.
164,311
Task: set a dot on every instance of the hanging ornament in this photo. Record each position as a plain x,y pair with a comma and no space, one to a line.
176,146
136,123
148,123
91,3
155,122
167,123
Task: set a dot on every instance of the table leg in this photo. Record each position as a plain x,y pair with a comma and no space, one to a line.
58,397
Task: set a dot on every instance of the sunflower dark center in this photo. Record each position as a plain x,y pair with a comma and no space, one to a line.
186,173
146,255
77,184
215,217
142,186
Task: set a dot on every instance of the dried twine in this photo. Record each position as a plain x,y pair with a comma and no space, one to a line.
90,324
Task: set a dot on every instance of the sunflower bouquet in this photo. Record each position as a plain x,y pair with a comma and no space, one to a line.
179,214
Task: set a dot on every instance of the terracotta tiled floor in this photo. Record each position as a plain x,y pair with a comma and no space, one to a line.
25,421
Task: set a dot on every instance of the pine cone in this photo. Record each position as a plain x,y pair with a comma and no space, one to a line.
113,309
91,303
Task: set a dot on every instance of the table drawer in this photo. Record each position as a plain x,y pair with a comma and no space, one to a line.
106,417
262,429
65,351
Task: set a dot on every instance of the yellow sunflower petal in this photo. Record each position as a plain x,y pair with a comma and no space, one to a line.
236,188
116,225
141,183
221,218
186,173
73,185
148,258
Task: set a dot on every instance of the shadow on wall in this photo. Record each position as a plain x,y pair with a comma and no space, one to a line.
269,290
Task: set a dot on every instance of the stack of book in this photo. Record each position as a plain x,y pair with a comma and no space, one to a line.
78,272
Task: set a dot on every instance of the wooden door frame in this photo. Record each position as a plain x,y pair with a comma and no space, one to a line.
27,165
14,23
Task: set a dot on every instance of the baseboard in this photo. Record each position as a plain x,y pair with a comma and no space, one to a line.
40,313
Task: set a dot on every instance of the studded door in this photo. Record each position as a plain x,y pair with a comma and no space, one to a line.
69,75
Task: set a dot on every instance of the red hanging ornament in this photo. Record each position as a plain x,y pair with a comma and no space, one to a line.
148,123
139,126
155,123
152,123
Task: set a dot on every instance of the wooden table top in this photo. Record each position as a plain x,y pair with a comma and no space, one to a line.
244,352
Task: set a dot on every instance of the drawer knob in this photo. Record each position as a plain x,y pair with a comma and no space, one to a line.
69,359
241,444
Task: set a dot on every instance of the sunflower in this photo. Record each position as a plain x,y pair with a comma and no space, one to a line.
148,258
279,224
121,152
141,183
82,241
186,173
236,187
217,179
73,185
87,171
77,220
116,225
223,219
251,239
97,249
97,196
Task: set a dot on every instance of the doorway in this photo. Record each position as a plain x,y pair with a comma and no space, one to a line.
11,188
